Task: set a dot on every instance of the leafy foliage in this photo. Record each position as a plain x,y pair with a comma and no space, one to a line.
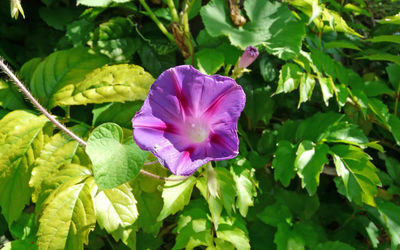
318,164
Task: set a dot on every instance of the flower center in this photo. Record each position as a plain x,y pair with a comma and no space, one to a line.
196,130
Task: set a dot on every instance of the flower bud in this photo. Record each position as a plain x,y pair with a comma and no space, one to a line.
248,57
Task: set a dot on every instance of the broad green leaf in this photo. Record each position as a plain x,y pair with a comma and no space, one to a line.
341,44
176,195
99,3
286,238
309,163
114,162
115,39
149,206
390,214
19,244
258,108
375,88
120,113
301,205
10,98
345,132
209,61
289,78
385,38
234,235
395,19
21,140
306,88
28,68
246,188
283,163
327,88
62,68
393,71
379,109
78,31
357,173
117,83
58,152
393,168
334,245
115,208
382,57
58,18
394,123
227,188
275,214
67,218
269,24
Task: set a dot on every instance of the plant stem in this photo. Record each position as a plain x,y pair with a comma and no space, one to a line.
37,104
158,23
26,92
173,11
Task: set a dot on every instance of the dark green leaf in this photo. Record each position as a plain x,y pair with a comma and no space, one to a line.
283,163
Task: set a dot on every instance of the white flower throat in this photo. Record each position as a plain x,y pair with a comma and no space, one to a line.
196,130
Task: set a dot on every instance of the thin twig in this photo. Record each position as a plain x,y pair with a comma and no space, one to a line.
37,104
32,99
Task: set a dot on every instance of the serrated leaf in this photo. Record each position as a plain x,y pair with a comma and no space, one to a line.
67,218
309,163
176,196
270,23
114,162
21,140
62,68
391,216
227,188
283,163
215,204
327,88
306,88
116,83
10,98
246,188
115,208
234,235
57,152
358,174
289,78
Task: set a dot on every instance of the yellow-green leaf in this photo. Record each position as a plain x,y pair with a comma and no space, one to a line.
117,83
21,141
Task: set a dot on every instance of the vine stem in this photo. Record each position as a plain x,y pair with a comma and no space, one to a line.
46,113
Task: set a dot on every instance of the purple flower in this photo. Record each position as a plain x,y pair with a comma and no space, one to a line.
189,119
248,57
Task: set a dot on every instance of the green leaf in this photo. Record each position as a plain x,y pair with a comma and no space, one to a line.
306,88
341,44
385,38
394,123
270,23
209,61
283,163
58,18
234,235
334,245
357,173
176,195
246,188
115,39
78,31
19,244
391,216
382,57
286,238
120,113
289,78
67,218
149,206
275,214
56,153
10,98
60,69
393,71
99,3
117,83
374,88
309,163
21,140
395,19
327,88
227,188
258,108
115,208
28,68
114,162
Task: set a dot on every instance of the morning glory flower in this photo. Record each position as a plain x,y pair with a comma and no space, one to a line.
248,57
189,119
